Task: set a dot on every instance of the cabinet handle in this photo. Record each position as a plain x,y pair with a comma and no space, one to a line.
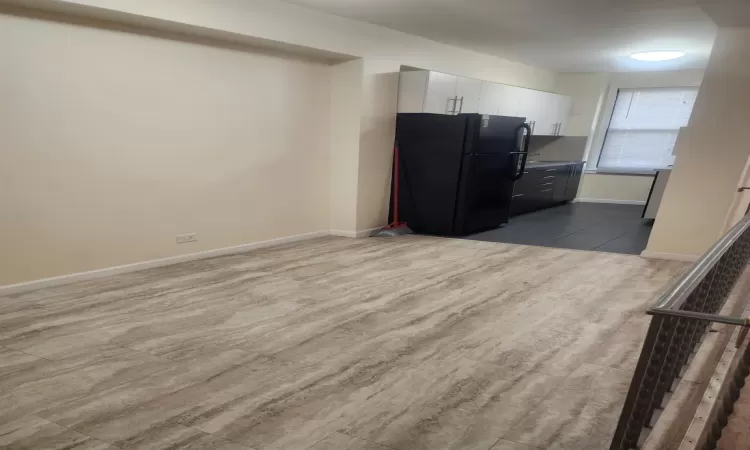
546,184
546,190
447,108
550,170
461,107
548,176
518,195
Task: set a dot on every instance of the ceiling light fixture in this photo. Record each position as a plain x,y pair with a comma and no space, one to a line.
657,56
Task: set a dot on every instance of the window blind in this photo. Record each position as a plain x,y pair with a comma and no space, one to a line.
644,127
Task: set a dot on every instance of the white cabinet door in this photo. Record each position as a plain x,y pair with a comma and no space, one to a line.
557,110
509,100
530,106
548,114
441,94
488,98
412,86
498,99
468,91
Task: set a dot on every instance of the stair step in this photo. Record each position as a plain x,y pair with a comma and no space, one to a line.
736,435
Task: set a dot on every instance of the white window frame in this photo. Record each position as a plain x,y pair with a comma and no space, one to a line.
605,115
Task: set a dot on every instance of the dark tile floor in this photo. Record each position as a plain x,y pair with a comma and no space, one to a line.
582,226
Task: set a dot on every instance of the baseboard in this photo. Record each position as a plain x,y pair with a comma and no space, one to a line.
109,271
614,202
354,234
343,233
670,256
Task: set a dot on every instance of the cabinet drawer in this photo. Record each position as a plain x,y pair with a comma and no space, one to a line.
543,187
532,177
545,192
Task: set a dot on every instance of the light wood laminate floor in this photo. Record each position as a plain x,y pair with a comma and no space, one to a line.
396,343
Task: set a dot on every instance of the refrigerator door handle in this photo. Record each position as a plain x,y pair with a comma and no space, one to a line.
524,151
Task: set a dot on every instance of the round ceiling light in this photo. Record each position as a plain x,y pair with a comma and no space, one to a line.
657,56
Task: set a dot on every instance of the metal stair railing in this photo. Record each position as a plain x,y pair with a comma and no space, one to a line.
680,319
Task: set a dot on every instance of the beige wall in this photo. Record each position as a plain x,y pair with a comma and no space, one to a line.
272,20
711,154
164,137
594,96
111,144
383,52
587,91
346,96
615,188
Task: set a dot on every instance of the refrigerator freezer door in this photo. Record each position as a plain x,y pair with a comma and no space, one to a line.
495,134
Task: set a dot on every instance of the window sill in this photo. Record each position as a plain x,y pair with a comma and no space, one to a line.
634,172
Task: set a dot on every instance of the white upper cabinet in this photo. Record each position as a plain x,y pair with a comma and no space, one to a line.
412,87
467,91
487,98
437,93
547,114
440,93
496,99
531,106
499,99
440,97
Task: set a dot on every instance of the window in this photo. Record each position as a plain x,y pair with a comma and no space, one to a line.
644,128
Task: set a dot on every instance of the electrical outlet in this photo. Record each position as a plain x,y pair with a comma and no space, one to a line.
185,238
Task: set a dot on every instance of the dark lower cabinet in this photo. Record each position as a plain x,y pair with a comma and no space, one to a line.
574,180
562,176
544,187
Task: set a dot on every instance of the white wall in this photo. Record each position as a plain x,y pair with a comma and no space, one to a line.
711,154
594,96
587,91
111,144
383,52
615,188
170,137
346,96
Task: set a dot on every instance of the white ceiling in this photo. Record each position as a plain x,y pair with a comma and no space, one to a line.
562,35
728,13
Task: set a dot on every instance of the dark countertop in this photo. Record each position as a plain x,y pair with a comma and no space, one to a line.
542,164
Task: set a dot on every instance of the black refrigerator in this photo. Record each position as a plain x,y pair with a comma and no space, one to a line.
457,172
